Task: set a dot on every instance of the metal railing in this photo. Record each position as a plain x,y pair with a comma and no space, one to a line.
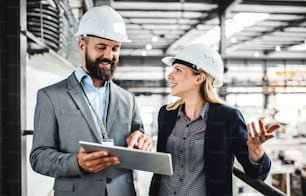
259,185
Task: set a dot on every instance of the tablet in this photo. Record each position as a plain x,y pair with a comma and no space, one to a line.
156,162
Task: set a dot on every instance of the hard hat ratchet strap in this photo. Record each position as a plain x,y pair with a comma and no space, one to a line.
185,63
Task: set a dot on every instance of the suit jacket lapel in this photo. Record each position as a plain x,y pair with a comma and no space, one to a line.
76,92
112,105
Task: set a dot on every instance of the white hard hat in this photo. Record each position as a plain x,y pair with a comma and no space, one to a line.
200,57
104,22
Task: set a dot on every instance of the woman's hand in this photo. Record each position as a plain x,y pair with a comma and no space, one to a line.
257,137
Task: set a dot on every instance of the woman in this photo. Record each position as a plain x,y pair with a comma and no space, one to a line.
202,134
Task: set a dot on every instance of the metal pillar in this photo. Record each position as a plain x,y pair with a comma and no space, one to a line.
10,100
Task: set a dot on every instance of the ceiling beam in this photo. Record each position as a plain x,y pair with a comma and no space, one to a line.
223,5
88,4
211,14
176,1
283,47
295,23
275,2
156,60
103,2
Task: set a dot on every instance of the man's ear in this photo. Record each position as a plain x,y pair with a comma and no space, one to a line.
82,45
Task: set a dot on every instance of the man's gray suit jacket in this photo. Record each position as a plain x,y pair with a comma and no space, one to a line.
62,119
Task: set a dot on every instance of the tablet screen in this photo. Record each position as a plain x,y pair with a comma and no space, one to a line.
156,162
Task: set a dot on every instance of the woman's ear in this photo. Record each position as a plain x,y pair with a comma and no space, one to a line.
201,78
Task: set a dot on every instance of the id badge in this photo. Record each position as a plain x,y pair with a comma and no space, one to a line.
108,142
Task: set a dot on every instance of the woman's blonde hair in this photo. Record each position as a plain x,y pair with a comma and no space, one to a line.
207,92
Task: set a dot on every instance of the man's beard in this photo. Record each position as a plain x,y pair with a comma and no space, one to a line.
97,72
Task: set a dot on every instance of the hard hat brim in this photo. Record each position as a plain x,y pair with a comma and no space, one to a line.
168,60
123,40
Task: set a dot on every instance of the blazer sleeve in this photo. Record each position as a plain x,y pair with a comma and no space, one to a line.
45,157
240,148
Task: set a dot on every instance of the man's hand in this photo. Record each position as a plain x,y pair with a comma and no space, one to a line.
139,140
95,161
257,138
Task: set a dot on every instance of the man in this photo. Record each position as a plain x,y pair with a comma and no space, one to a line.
88,106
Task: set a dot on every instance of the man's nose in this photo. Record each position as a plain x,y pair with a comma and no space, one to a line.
108,53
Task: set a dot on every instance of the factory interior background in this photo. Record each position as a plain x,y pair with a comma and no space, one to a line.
262,43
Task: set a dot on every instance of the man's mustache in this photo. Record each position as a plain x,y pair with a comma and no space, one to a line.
105,60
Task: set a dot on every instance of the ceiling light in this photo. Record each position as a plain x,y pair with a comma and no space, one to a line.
148,46
256,54
278,48
233,40
248,18
242,20
232,26
154,38
144,53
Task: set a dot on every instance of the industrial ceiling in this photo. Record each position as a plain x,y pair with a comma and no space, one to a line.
260,28
258,35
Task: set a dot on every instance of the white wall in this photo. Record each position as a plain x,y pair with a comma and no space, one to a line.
42,70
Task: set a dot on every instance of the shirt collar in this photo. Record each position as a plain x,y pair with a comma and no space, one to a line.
203,112
80,74
83,77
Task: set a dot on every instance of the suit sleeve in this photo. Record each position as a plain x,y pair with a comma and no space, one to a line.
45,157
137,123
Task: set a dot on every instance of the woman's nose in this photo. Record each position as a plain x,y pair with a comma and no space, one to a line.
169,76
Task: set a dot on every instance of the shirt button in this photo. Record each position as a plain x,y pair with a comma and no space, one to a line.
108,180
182,166
181,180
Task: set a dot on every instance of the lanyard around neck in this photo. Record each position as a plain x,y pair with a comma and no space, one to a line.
100,122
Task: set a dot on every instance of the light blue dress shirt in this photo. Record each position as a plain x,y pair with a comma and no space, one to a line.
96,96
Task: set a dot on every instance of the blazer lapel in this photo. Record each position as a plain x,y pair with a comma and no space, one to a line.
76,92
112,105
